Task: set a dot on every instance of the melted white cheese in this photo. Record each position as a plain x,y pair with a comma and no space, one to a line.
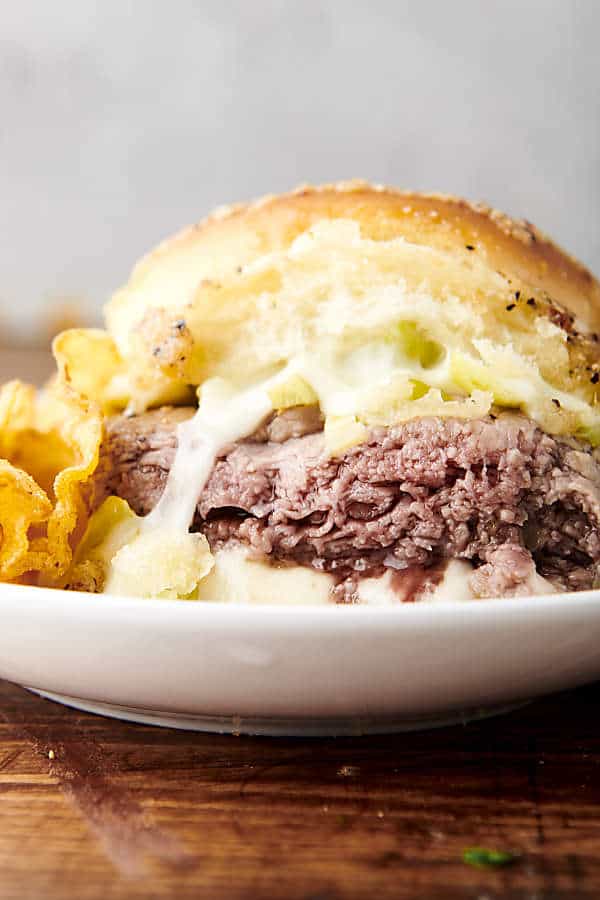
222,418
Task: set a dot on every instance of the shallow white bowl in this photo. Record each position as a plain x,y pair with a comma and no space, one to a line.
295,670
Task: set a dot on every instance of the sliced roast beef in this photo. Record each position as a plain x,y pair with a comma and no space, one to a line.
497,491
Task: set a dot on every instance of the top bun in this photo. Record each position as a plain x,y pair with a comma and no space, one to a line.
387,304
234,236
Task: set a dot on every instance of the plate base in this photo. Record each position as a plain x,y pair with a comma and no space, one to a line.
280,726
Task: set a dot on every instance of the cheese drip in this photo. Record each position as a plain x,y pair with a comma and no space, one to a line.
163,559
222,418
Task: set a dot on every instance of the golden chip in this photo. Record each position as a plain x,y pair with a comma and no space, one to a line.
49,448
23,505
88,360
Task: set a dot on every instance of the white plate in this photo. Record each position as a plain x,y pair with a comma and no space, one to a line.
296,670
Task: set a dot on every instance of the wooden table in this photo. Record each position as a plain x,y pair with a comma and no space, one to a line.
94,808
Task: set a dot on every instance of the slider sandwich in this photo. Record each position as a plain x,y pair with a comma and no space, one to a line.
344,394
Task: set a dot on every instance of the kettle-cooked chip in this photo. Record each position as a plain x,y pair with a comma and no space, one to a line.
23,505
49,444
17,401
80,424
73,350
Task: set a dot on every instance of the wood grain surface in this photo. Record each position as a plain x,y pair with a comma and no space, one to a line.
94,808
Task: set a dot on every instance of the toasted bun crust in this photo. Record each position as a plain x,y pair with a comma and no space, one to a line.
323,271
237,235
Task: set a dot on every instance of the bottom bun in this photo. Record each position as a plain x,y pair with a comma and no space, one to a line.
238,577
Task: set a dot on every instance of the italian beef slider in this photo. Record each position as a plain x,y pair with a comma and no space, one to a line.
350,394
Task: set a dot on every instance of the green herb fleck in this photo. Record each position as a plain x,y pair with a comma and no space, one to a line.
488,859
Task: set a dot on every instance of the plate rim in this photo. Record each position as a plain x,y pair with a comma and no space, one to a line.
80,601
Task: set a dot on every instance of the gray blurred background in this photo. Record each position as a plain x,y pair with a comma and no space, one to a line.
122,121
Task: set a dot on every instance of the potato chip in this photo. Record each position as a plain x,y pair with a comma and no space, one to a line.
23,505
80,424
49,444
17,402
88,360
